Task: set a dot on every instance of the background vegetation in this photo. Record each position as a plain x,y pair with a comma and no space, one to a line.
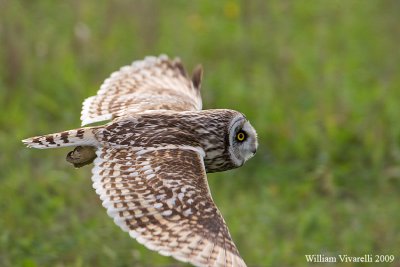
319,80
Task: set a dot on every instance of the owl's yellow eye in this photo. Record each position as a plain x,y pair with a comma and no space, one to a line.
240,136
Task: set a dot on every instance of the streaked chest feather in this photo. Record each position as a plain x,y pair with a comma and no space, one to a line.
193,129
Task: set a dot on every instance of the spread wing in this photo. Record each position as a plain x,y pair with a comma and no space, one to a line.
161,197
155,83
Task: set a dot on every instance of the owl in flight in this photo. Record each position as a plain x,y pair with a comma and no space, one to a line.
151,159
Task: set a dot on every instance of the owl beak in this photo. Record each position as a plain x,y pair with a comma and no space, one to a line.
254,151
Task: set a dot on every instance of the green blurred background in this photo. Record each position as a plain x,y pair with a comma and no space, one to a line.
319,80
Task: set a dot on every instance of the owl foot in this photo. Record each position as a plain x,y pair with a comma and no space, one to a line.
81,156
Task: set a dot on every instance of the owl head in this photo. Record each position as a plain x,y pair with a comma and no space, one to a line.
242,140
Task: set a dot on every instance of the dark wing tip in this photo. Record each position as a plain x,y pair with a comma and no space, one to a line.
197,76
177,63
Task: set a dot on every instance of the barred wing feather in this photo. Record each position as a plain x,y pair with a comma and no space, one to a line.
155,83
161,197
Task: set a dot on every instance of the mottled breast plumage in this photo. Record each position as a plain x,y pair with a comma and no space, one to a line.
200,129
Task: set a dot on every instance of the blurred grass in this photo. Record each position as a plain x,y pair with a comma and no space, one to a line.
319,80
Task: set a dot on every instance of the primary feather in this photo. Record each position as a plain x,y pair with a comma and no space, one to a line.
155,83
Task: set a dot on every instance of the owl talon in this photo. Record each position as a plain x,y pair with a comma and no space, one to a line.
81,156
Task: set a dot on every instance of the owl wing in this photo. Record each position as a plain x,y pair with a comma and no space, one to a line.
161,197
155,83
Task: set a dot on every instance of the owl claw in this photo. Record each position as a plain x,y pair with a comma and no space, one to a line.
81,156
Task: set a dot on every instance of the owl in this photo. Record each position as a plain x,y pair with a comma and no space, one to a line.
151,158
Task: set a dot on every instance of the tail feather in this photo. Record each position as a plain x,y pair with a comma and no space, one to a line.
77,137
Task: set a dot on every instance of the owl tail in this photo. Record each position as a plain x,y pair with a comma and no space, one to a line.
77,137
